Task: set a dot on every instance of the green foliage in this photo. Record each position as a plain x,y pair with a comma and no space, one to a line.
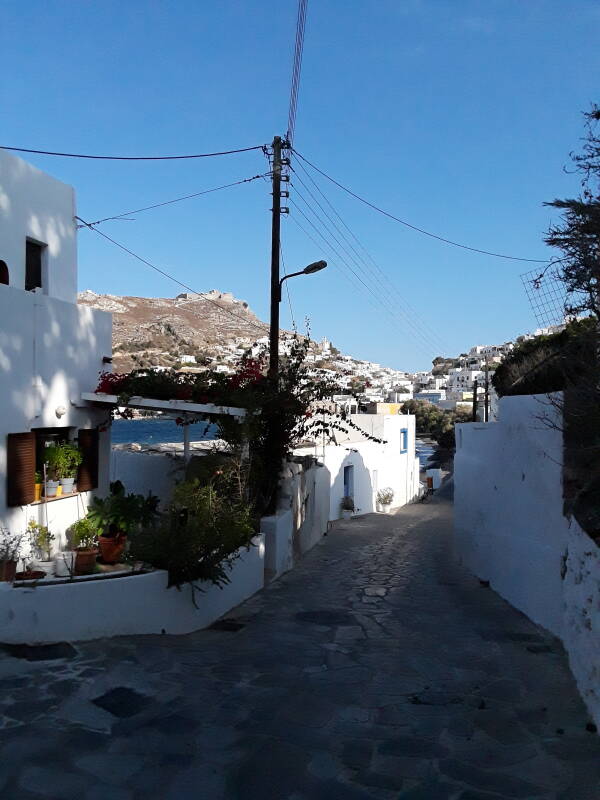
347,503
41,540
200,535
10,544
548,363
62,460
436,422
121,512
83,534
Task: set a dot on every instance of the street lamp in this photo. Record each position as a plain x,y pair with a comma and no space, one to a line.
316,266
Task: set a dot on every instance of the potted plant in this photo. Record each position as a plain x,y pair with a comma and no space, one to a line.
64,563
347,506
384,499
83,538
10,548
41,540
38,486
52,458
69,460
118,515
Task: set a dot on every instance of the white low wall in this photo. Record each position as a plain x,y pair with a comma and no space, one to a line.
144,472
137,604
510,530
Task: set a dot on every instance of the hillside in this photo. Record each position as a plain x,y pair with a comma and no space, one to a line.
157,331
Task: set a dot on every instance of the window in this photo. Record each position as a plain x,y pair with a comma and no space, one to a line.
404,440
25,456
3,273
33,265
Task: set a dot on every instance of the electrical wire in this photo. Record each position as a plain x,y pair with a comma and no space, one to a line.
133,158
414,227
175,200
287,290
372,287
433,340
425,346
433,335
296,69
259,326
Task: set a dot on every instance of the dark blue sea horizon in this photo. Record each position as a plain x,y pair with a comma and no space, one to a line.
157,431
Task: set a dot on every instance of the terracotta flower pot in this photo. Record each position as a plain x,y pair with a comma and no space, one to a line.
85,561
30,575
8,570
112,547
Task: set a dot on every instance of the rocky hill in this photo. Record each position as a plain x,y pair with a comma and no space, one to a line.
157,331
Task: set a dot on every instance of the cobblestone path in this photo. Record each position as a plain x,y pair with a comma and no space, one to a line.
376,669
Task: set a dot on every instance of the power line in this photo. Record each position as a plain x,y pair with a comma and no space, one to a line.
175,200
431,333
262,326
383,298
133,158
296,69
426,346
414,227
363,265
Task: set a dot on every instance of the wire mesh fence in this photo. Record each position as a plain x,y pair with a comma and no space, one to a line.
546,295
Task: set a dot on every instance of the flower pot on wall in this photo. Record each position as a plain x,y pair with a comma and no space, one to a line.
52,488
64,563
46,566
85,561
346,514
37,492
112,547
67,485
8,570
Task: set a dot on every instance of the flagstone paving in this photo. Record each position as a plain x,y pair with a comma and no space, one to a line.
376,669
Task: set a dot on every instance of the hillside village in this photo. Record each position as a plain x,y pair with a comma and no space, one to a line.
192,333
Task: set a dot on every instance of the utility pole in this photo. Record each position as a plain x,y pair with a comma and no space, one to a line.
487,391
275,249
474,418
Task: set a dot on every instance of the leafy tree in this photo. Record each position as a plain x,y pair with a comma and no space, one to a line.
578,233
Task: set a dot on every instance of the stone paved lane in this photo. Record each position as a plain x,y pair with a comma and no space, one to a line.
377,669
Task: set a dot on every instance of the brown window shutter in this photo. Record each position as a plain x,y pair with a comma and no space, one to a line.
87,477
20,469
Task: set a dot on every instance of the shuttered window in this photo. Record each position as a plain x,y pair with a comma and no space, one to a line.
20,469
87,477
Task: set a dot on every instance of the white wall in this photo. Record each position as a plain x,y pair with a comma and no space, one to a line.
376,466
124,606
37,206
144,472
50,352
510,530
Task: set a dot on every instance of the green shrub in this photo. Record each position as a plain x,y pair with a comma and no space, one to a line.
199,537
548,363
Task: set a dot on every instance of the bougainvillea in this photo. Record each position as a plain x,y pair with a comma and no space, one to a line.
280,414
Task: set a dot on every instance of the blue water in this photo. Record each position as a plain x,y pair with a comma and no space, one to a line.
424,451
157,431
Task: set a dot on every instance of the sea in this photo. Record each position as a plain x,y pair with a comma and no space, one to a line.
158,431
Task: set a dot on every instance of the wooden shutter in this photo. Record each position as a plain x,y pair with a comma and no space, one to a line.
87,477
20,469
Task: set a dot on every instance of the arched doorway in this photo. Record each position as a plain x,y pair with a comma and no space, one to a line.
3,273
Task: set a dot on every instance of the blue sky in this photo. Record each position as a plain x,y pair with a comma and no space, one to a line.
455,115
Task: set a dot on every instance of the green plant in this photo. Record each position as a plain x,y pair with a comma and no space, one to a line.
385,496
41,540
83,534
37,477
198,538
121,512
10,544
347,503
62,460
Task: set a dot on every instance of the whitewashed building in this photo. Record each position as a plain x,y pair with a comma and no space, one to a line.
360,468
51,349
